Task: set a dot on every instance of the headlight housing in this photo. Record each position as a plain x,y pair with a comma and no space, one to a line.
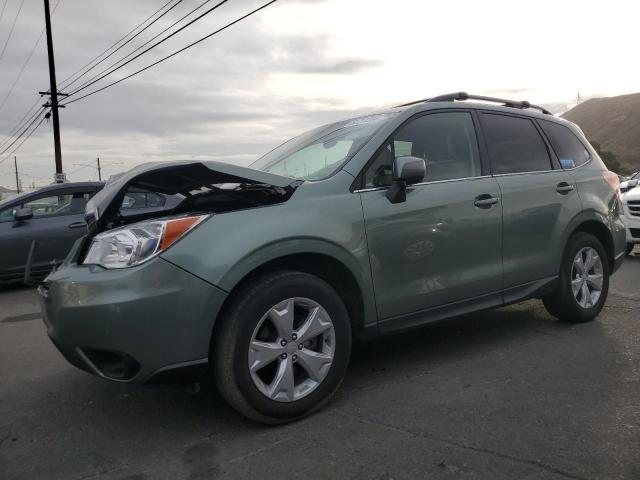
136,243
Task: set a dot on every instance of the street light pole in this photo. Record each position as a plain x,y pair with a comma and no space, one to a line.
54,96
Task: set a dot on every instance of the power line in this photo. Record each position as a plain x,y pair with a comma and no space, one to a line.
23,128
21,123
174,53
63,82
26,62
145,43
24,140
82,167
34,118
150,48
26,119
11,30
3,7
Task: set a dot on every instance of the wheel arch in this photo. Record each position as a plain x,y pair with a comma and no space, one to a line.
596,225
329,263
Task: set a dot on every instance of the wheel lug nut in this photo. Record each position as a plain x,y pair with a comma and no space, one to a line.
283,356
283,343
294,357
294,337
300,347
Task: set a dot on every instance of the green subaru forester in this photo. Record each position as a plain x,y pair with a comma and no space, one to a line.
263,276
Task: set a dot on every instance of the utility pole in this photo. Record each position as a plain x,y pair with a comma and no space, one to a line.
99,170
15,162
59,177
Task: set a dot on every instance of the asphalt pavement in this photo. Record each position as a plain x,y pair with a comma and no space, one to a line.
505,394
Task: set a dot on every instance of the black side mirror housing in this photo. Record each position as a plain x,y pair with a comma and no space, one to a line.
406,171
21,214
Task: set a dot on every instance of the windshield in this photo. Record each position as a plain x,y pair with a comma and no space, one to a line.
320,152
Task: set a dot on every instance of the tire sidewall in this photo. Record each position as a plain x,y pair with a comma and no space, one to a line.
248,316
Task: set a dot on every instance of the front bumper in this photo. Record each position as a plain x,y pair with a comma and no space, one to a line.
130,325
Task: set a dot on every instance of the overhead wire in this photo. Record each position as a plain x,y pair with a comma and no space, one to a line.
145,43
18,126
13,25
24,130
66,81
172,54
159,42
4,5
21,123
24,140
34,117
26,62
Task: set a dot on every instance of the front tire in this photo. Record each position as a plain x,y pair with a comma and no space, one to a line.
584,281
629,248
281,347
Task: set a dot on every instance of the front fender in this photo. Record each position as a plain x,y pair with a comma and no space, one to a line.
292,246
229,246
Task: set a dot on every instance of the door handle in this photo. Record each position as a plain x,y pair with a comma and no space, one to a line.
485,201
563,188
77,225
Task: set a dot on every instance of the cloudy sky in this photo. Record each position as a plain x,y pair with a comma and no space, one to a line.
293,66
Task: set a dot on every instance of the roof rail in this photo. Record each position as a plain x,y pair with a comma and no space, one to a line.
461,96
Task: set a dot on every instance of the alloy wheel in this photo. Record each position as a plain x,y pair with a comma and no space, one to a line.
291,349
587,277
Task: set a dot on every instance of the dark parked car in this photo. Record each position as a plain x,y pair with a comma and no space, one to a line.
53,218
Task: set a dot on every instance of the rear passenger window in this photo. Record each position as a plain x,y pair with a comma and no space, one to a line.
514,144
446,141
571,151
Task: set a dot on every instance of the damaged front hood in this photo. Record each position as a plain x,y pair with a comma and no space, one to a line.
171,178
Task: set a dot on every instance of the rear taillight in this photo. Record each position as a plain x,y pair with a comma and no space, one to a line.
613,181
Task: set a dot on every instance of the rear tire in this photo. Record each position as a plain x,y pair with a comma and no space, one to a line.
261,367
584,281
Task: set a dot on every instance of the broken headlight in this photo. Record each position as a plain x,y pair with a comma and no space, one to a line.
138,242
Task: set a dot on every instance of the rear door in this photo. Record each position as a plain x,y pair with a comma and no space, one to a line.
538,199
442,245
58,220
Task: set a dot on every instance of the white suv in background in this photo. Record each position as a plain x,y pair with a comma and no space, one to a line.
630,183
631,217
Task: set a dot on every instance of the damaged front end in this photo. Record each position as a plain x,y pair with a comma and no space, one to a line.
119,239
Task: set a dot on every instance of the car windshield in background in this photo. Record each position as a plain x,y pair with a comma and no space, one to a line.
320,152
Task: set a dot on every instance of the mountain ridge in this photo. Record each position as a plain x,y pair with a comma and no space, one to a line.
613,122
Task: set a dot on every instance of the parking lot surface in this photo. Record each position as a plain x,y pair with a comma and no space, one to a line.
504,394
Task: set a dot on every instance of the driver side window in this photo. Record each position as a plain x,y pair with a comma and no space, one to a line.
50,205
6,214
445,141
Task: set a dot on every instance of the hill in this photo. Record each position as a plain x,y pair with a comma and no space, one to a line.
613,122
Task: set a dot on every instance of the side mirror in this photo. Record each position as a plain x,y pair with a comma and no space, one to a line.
21,214
406,171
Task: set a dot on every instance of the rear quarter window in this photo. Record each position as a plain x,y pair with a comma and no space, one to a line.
570,150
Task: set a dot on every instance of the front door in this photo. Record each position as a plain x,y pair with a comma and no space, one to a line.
442,245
